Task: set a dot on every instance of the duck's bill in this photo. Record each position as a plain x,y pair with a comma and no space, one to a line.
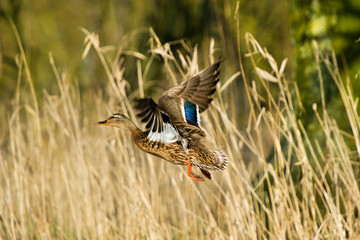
105,122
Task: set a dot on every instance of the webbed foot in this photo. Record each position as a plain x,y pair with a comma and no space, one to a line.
206,173
193,175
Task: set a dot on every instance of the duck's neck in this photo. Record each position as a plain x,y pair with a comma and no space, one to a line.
129,125
136,134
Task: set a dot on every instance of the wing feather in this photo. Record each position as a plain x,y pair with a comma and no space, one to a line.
158,123
197,90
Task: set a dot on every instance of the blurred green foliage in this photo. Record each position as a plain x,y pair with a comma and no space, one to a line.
285,28
335,26
51,26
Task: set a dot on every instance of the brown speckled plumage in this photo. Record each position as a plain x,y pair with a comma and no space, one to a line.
173,129
199,155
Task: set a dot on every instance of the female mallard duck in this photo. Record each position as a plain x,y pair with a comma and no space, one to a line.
173,126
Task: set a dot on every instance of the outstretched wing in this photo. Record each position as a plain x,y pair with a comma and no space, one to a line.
158,123
193,95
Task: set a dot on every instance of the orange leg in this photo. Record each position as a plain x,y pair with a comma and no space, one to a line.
193,175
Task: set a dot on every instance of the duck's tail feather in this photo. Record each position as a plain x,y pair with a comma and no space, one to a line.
222,160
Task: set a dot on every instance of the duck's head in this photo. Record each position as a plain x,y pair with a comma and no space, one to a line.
117,120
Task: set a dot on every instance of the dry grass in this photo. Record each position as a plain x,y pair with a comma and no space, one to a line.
64,177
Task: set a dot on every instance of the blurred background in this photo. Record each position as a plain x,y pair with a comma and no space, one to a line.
285,28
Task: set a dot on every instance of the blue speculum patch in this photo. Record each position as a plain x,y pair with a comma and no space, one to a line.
191,113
